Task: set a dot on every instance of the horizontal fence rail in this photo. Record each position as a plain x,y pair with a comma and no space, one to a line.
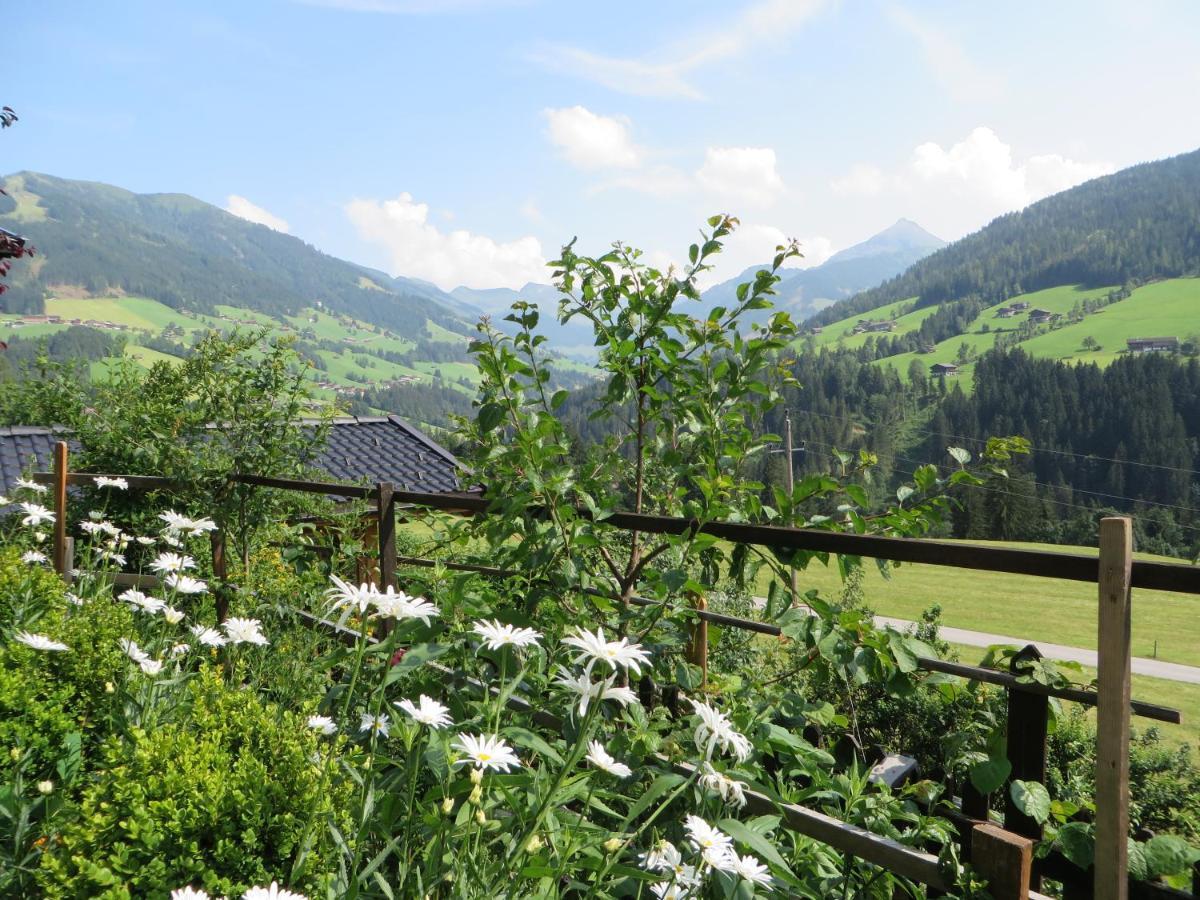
1175,577
930,664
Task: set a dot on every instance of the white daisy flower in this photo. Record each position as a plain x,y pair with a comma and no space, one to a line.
34,556
189,893
30,486
172,541
485,752
36,514
402,607
588,690
185,584
111,556
74,599
618,654
662,857
133,651
357,598
496,635
175,521
40,642
244,631
102,481
322,725
172,615
427,711
709,841
271,892
730,791
145,541
179,650
197,527
4,501
209,637
172,562
375,724
715,730
151,666
672,891
749,868
140,601
601,759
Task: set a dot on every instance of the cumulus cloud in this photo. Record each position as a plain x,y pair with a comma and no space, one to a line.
745,174
982,166
448,259
591,141
244,209
666,70
959,187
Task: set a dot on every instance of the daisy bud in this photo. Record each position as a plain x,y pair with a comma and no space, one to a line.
15,754
480,817
612,845
108,687
534,844
45,787
476,776
448,805
476,795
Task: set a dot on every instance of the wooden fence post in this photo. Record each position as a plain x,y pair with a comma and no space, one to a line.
698,652
221,572
1027,718
1112,710
1004,859
386,509
61,562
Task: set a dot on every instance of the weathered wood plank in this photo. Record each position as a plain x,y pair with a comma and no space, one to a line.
1004,859
1112,710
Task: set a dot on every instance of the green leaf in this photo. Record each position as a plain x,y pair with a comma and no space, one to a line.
1077,843
1137,861
990,775
1031,798
559,398
756,842
663,783
490,415
417,656
960,455
1167,854
523,737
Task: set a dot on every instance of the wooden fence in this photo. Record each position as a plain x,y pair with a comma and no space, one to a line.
1004,855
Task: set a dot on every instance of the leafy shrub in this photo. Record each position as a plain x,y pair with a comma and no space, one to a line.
221,799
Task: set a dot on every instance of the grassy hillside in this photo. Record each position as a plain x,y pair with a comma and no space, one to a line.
1164,308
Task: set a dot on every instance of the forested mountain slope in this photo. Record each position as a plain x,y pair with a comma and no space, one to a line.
95,240
1137,224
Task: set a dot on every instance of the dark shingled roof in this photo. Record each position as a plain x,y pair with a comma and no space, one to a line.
371,448
28,448
386,448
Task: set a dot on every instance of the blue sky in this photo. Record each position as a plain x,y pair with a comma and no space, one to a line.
464,141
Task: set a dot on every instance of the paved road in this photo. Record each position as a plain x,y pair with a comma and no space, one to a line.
1155,668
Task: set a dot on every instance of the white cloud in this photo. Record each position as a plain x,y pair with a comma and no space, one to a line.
744,174
592,141
957,188
982,167
961,77
448,259
862,180
665,71
244,209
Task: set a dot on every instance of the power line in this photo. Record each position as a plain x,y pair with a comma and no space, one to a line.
983,441
1062,503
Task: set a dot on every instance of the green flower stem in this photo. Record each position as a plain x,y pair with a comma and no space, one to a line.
612,860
